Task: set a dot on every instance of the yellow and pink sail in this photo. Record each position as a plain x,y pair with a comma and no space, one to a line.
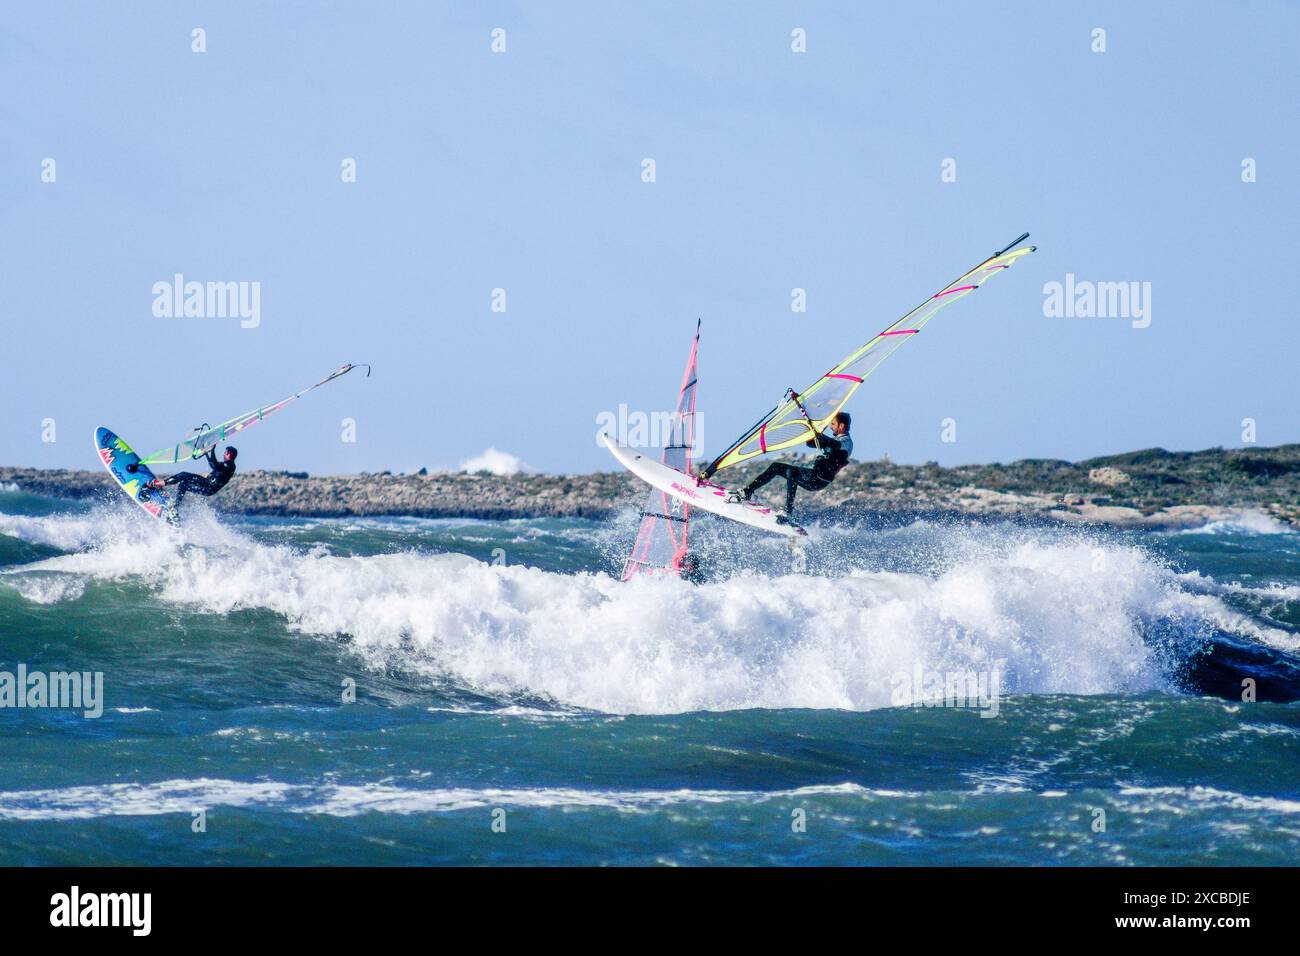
803,414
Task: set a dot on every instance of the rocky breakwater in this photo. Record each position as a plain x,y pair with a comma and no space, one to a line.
1151,488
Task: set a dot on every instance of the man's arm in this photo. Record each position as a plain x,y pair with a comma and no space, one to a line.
212,457
829,442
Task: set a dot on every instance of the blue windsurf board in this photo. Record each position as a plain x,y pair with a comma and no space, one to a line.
131,475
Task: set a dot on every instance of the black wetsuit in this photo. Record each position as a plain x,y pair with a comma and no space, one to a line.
834,456
205,485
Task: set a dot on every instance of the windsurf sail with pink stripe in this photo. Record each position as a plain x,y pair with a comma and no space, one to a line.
206,436
660,546
802,415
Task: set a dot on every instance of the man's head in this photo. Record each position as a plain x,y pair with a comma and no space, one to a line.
840,423
231,453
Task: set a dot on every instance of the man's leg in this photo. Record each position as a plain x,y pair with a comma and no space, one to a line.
184,481
806,479
790,484
775,470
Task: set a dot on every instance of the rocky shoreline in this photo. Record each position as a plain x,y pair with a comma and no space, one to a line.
1153,488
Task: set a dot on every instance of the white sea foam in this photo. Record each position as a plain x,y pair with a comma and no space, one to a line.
514,710
49,588
1178,799
184,796
132,799
496,462
1204,593
1246,522
1272,591
1054,613
67,532
342,800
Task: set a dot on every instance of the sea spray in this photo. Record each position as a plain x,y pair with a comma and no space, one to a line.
1063,613
480,685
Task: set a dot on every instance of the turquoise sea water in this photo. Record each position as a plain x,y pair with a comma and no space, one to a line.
514,703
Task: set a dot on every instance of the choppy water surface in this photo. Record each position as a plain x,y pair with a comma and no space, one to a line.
502,674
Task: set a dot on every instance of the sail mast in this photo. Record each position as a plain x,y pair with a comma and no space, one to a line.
660,543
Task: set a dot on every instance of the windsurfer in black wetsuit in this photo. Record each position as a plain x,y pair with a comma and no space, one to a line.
836,447
205,485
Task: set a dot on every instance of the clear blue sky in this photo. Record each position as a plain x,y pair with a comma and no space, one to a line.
522,170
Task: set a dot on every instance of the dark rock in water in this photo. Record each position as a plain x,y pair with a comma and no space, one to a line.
423,471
